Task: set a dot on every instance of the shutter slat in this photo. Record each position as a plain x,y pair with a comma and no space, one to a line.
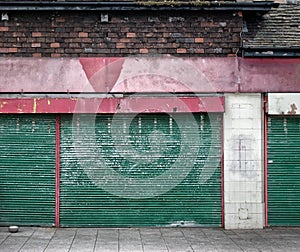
27,170
141,149
284,171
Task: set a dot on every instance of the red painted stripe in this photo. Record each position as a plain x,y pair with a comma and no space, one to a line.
57,172
112,105
266,160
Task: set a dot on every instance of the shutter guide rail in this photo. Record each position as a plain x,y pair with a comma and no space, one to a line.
222,173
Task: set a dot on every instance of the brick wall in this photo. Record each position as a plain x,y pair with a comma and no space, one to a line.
73,34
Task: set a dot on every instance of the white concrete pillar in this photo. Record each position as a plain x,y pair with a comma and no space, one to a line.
243,161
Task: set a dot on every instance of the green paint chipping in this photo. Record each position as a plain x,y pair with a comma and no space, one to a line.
140,149
284,171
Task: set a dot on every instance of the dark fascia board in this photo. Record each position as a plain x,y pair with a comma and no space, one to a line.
132,6
267,52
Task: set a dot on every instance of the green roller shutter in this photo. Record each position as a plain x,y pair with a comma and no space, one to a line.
27,170
284,171
143,170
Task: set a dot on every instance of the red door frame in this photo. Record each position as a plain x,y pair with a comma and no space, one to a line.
222,174
57,171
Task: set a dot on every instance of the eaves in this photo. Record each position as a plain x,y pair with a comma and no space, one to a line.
261,6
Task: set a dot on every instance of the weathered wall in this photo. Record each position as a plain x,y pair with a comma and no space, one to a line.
148,74
73,34
243,161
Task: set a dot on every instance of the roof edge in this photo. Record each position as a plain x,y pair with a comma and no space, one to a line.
267,52
263,6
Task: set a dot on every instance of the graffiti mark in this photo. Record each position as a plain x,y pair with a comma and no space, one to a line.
244,162
293,110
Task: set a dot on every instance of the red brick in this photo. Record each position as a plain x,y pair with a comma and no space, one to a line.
3,28
83,34
125,40
199,40
181,50
60,19
144,50
236,29
235,38
55,55
18,34
35,44
3,50
199,50
130,35
36,55
55,45
208,24
12,50
149,35
36,34
120,45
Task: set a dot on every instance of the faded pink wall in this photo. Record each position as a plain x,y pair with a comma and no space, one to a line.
149,74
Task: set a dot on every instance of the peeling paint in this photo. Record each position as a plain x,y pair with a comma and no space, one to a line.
283,103
112,105
34,105
2,104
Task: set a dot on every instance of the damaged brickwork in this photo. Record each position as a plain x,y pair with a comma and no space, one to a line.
84,34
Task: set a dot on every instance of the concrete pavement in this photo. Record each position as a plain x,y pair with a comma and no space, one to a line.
32,239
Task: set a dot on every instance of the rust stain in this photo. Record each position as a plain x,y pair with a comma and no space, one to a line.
293,109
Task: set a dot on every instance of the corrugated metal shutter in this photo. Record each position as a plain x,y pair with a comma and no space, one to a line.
150,170
284,171
27,170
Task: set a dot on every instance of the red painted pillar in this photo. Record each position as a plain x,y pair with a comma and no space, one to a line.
57,171
266,159
222,171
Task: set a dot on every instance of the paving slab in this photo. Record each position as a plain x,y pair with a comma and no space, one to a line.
36,239
61,241
107,240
